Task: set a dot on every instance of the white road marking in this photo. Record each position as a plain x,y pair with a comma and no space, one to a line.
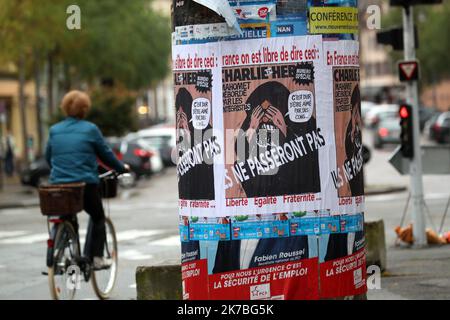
395,197
132,286
135,234
145,205
135,255
10,234
40,237
172,241
24,237
14,212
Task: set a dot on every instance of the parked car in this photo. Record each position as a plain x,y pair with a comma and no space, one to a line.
39,171
366,106
36,174
135,154
155,155
387,132
163,138
428,129
441,128
425,114
380,112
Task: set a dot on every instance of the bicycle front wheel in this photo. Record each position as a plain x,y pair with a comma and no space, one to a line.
64,275
103,281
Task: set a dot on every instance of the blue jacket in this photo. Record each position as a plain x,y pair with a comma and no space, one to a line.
72,151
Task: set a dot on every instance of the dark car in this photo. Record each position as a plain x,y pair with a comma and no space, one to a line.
134,154
425,114
387,132
441,128
37,174
428,129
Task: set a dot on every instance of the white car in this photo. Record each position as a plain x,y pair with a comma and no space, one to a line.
380,112
163,138
366,106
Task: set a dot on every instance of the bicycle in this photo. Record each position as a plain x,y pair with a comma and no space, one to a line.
65,262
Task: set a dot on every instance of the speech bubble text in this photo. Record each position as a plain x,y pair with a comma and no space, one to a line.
201,113
301,106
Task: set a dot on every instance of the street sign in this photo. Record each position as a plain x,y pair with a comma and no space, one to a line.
404,3
435,160
408,70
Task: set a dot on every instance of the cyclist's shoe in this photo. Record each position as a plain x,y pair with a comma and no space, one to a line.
101,263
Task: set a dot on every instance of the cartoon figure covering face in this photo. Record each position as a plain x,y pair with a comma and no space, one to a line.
195,163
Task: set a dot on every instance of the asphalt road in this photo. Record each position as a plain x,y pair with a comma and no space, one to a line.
147,226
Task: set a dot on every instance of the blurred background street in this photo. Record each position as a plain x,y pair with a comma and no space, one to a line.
146,219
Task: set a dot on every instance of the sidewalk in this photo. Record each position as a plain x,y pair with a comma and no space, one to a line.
415,274
15,195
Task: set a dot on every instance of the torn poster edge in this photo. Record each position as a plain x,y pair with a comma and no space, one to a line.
223,8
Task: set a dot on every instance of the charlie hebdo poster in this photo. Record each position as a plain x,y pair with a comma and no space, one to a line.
274,150
348,177
195,154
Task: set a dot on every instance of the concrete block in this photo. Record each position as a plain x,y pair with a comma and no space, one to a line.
159,282
376,244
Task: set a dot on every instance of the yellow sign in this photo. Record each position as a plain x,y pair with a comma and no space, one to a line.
333,20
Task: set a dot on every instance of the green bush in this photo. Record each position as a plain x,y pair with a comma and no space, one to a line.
112,112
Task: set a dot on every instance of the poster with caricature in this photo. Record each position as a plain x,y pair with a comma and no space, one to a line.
271,109
348,176
195,149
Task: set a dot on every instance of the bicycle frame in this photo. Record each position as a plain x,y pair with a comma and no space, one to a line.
52,227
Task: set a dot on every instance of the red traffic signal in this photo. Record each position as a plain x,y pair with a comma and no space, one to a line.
404,111
406,133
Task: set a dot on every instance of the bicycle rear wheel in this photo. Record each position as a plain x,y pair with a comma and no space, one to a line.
64,275
103,281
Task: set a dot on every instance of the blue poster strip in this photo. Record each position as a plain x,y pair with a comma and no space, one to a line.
184,233
259,229
270,226
352,223
208,231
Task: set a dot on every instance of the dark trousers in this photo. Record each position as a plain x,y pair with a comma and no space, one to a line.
96,233
9,165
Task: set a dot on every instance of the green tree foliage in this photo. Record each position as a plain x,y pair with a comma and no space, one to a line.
111,111
121,40
433,27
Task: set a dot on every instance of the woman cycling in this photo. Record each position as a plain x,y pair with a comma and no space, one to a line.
74,145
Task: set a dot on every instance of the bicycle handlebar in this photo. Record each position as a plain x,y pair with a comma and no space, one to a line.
111,173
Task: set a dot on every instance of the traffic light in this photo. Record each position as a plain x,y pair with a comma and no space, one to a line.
394,37
413,2
406,131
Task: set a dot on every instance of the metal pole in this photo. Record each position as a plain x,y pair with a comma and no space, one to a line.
416,163
2,153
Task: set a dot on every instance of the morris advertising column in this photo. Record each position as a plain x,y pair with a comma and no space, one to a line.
269,149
